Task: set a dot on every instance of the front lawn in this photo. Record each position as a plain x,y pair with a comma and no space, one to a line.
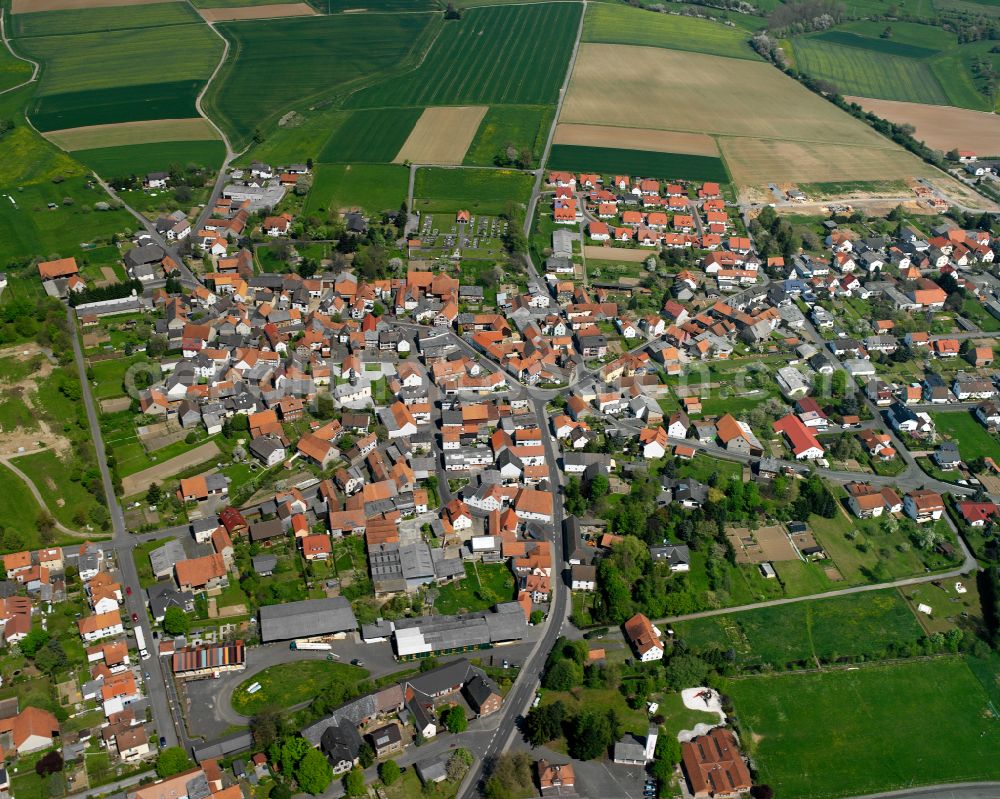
142,563
288,684
972,438
853,732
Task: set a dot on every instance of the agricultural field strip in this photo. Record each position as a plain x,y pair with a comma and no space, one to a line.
41,6
941,127
448,75
617,24
269,11
870,73
623,138
763,103
245,37
68,65
442,135
883,46
148,131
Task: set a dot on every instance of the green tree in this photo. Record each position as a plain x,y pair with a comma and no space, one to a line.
454,719
589,735
686,671
154,494
280,791
388,772
544,723
176,621
562,676
293,749
314,774
598,487
34,641
51,657
172,760
354,782
366,754
265,728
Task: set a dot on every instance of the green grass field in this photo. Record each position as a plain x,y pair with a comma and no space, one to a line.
124,83
607,160
19,511
928,37
277,64
972,438
12,70
100,20
484,585
885,46
849,733
28,228
869,73
619,24
370,137
826,628
15,415
288,684
506,126
483,191
27,157
953,68
295,143
137,159
52,477
492,56
374,187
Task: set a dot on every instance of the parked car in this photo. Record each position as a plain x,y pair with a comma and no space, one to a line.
135,618
128,590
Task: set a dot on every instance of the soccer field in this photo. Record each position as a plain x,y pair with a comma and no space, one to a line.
878,728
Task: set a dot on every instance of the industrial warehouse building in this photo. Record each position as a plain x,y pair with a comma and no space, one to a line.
310,618
442,635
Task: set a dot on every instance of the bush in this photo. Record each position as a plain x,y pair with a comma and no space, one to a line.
388,772
172,760
50,764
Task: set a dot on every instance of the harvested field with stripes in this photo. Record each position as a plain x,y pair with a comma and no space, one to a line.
942,127
270,11
659,141
442,135
123,133
773,128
